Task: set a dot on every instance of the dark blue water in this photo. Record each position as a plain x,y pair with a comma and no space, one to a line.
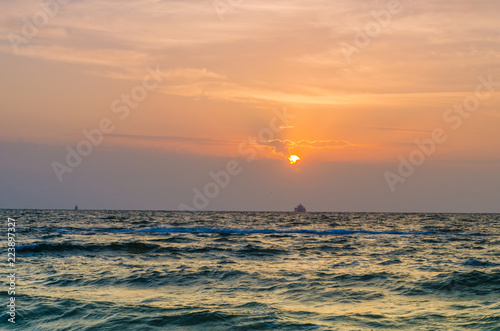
152,270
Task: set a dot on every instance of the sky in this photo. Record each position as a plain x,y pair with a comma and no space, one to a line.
197,105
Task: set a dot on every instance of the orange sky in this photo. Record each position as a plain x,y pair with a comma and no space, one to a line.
223,74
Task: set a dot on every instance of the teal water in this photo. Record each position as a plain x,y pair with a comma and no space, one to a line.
153,270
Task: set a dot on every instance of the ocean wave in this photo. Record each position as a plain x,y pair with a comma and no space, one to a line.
229,231
337,232
266,231
131,247
478,263
254,250
474,282
152,278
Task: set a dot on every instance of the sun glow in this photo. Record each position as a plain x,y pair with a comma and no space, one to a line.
293,159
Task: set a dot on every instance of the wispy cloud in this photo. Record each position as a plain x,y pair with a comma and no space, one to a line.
192,74
112,58
283,41
279,147
176,139
403,130
283,147
263,55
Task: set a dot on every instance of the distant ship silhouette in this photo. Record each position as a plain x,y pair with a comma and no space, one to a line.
76,207
300,209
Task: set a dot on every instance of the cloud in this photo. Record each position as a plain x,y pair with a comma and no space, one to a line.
111,58
283,147
280,147
322,144
262,55
192,74
283,41
403,130
177,139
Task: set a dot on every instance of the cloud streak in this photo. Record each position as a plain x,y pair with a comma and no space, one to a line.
176,139
283,147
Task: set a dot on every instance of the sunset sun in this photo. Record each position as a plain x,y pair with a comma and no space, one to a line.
293,159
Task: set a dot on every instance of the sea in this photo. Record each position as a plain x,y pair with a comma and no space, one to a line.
165,270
